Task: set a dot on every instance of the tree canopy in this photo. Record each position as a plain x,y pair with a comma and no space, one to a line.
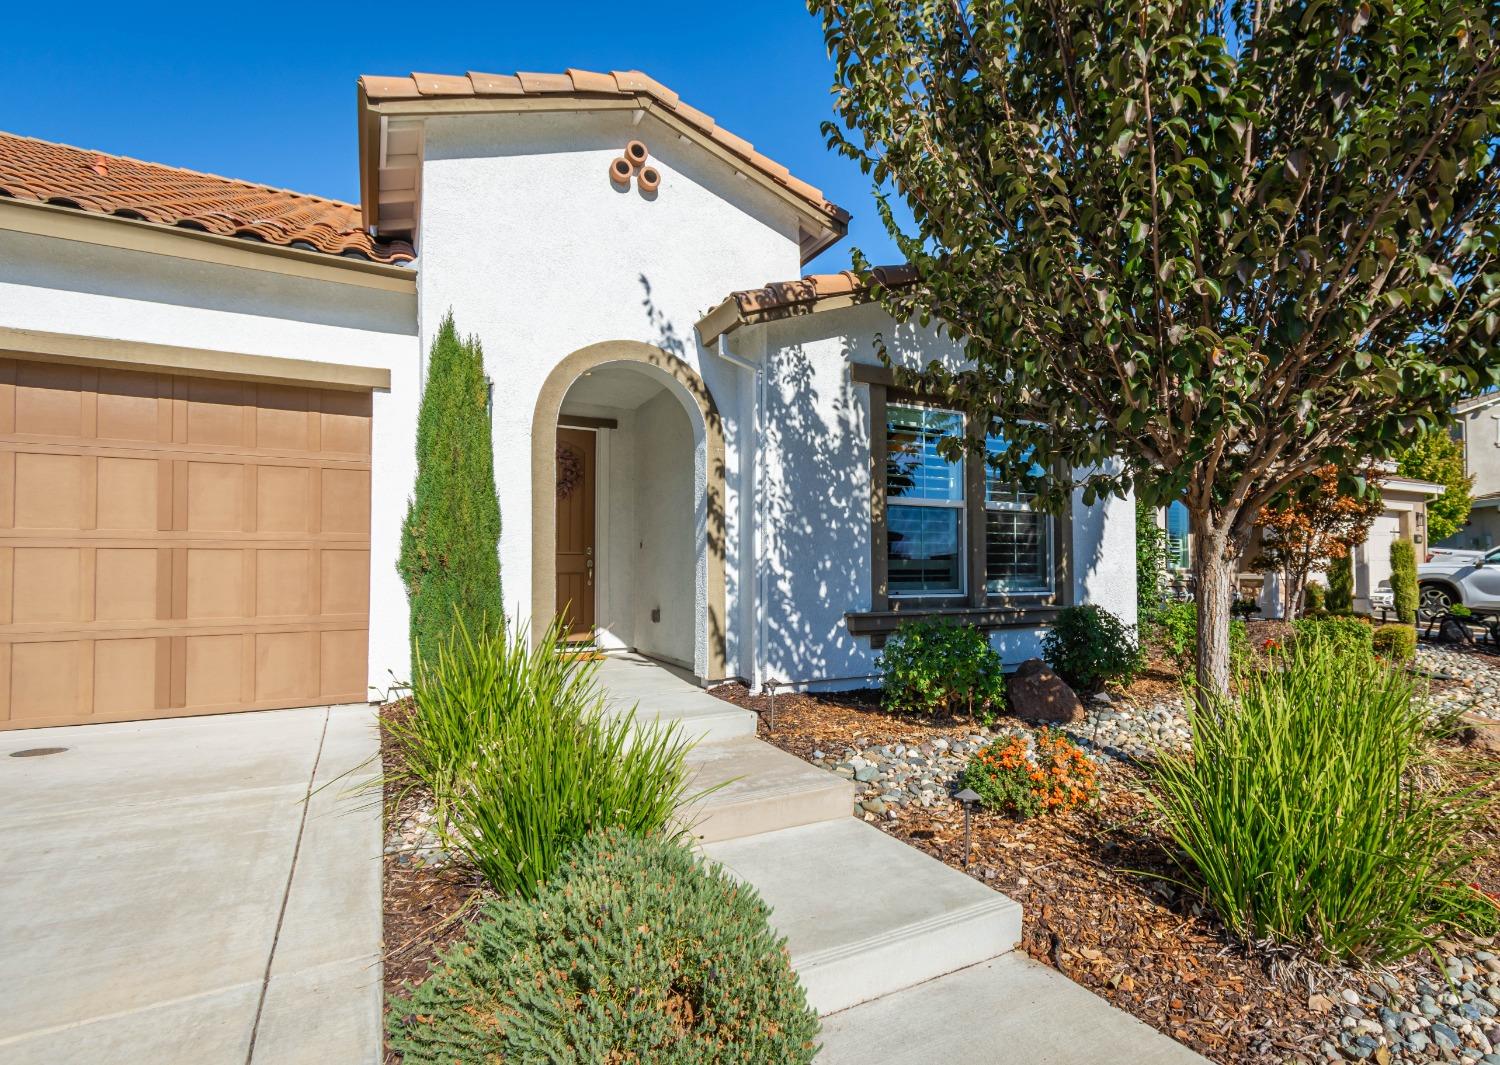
1198,248
1437,457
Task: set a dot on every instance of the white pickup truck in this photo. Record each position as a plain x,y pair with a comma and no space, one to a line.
1468,577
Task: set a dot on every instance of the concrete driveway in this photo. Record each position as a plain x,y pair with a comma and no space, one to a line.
191,891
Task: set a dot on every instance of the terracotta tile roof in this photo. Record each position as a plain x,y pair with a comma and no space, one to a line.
587,83
815,287
129,188
784,298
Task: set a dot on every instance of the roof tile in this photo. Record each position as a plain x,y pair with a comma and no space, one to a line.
90,181
618,83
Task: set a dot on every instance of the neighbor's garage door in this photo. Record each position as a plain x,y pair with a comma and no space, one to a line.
175,545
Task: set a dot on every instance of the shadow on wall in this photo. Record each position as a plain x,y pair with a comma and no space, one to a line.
816,509
709,518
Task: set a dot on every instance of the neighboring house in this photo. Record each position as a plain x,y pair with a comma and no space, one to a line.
1477,425
1404,518
208,394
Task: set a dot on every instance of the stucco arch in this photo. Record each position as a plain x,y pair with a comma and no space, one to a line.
708,429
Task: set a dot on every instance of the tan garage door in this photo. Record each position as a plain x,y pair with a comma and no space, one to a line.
175,545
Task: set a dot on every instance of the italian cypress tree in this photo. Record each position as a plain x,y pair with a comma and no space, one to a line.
450,539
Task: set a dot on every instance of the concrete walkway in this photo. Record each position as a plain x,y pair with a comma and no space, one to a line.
198,891
908,960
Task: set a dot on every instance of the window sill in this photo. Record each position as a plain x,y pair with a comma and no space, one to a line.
881,623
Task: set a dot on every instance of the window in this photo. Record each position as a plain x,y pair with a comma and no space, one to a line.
924,503
1177,536
1017,538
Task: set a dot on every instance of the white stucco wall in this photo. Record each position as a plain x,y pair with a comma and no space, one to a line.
71,287
815,498
665,501
526,240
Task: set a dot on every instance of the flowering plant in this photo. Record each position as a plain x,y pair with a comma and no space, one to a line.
1026,779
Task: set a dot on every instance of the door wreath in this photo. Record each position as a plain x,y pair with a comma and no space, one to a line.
569,470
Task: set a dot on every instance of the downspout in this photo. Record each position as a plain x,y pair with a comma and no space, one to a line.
758,504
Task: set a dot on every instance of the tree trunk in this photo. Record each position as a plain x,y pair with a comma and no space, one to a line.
1212,562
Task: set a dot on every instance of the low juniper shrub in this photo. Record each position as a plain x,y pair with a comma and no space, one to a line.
933,667
633,952
1089,647
1314,599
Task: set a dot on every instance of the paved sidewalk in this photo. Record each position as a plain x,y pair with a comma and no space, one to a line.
200,890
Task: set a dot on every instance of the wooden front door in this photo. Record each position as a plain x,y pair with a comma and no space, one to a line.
575,532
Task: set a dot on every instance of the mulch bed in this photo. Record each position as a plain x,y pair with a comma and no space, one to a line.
425,910
1094,886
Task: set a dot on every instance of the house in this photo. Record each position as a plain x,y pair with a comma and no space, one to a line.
1404,517
208,394
1477,425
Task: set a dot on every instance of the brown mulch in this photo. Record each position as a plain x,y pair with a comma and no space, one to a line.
1095,887
425,910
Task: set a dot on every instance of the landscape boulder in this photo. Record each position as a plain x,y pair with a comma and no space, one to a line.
1038,694
1481,734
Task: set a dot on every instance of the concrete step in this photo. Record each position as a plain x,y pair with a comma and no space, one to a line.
1010,1011
866,915
702,718
764,789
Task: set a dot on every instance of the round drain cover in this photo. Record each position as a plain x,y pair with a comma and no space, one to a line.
37,752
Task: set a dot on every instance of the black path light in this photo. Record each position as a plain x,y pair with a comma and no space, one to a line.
968,797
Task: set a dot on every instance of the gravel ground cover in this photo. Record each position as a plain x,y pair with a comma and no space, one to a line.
1096,892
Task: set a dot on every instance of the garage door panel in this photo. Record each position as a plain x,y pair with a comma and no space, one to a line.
283,499
215,496
286,666
125,677
282,583
346,502
173,545
127,494
129,408
49,399
215,583
48,490
345,423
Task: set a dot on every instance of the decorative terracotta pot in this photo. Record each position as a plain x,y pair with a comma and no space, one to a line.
636,153
649,179
620,171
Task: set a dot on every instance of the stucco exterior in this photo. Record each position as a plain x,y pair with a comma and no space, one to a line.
1478,427
734,519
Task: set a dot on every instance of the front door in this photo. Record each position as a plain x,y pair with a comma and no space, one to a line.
575,532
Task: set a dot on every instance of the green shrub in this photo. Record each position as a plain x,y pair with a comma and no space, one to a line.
1395,643
1150,564
1345,635
936,667
520,759
1341,584
1314,599
634,952
1177,631
1297,818
450,539
1404,580
1090,647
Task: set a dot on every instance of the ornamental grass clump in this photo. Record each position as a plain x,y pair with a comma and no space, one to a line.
633,952
521,762
1309,812
1024,779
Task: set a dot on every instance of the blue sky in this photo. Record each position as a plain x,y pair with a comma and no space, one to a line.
266,92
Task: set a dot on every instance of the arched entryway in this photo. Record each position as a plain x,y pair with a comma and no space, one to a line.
631,520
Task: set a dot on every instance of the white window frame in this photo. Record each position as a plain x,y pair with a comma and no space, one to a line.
959,505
